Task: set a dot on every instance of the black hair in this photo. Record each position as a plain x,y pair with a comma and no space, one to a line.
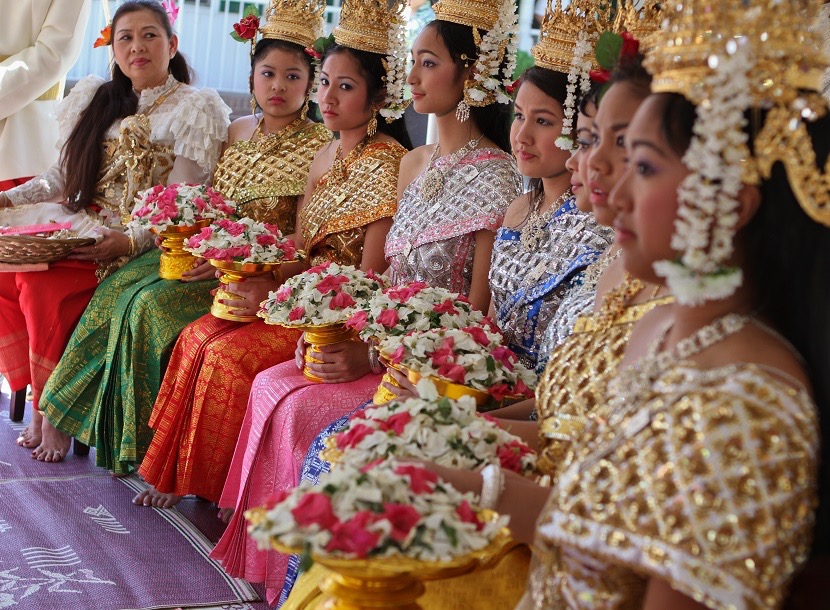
82,154
553,84
266,45
589,97
630,70
494,119
373,70
790,255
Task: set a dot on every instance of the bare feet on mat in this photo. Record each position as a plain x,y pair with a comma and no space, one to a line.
225,514
153,497
30,437
54,446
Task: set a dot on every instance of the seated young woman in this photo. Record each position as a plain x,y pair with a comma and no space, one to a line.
147,113
347,210
442,236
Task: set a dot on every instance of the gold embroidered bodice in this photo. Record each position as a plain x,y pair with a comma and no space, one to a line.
569,389
131,164
708,482
267,176
334,220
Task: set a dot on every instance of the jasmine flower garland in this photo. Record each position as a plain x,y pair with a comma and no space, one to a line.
395,64
707,197
497,45
579,73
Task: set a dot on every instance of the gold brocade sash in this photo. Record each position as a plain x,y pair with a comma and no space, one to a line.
52,93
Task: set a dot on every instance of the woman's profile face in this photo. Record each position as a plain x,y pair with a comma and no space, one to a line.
646,196
537,123
343,94
578,163
434,79
142,49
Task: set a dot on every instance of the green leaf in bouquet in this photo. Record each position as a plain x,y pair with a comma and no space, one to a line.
608,50
450,532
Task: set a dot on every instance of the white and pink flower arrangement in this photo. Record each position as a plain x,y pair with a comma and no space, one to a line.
435,429
242,241
382,510
416,306
473,357
323,295
178,205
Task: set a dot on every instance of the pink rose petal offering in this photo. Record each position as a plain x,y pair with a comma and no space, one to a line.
243,241
473,357
385,509
161,207
431,428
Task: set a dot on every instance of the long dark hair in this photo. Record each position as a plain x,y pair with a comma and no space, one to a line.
790,255
82,154
555,86
266,45
372,69
493,119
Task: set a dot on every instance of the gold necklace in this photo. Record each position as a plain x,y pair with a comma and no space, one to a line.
534,229
290,129
338,166
161,98
432,182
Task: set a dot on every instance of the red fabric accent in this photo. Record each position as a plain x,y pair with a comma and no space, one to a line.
5,185
38,312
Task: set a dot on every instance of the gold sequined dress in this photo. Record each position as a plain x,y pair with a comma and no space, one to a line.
202,399
707,482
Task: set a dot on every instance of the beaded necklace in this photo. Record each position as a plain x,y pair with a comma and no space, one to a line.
534,229
432,183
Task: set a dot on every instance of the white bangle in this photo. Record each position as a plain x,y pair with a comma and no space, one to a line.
492,486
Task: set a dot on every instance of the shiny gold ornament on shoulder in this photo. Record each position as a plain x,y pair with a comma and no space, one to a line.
562,28
364,24
297,21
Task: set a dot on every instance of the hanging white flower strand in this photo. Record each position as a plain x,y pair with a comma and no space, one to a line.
395,64
492,47
579,73
707,198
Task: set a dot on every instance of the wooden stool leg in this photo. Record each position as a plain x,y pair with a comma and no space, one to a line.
17,405
79,448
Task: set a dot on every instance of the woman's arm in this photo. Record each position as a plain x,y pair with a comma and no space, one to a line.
373,243
480,286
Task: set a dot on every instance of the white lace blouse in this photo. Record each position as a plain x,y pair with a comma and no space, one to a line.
192,122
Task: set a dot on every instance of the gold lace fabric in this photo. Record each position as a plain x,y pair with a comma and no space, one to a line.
267,175
571,386
131,164
334,220
708,483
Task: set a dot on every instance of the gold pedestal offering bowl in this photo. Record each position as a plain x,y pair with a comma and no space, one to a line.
175,260
323,334
233,272
386,583
445,388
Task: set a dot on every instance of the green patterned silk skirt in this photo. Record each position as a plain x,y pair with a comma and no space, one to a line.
104,387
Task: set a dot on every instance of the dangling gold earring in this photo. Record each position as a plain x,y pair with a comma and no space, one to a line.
253,104
462,111
372,128
304,111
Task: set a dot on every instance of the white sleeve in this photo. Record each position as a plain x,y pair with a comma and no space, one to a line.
26,75
199,127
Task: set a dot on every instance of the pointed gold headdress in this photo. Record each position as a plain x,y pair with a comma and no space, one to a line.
727,56
496,49
561,30
297,21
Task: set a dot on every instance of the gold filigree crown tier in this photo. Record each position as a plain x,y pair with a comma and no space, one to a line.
297,21
365,24
641,19
561,29
695,33
479,14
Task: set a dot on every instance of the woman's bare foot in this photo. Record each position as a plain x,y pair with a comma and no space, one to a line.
54,446
225,514
153,497
31,436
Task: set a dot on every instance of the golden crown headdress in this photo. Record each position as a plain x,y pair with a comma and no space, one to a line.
770,49
641,19
561,29
297,21
496,49
365,24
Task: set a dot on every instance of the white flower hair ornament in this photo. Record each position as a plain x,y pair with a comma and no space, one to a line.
579,74
395,65
708,196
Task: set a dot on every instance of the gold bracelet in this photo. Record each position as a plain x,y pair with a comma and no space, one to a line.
131,247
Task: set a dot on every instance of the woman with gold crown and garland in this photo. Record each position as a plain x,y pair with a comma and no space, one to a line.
695,483
352,185
145,126
265,171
